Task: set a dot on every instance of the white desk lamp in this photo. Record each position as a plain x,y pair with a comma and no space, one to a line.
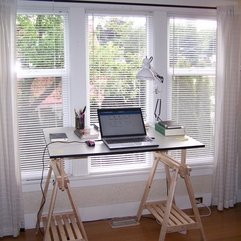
148,73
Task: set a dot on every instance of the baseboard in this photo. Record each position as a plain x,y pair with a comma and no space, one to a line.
93,213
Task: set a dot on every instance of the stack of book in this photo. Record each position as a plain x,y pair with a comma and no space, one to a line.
170,128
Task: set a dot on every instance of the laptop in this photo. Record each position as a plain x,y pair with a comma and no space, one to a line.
123,128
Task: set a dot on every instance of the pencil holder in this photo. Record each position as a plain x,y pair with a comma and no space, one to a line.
80,122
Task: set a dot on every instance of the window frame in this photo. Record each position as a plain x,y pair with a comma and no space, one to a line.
53,73
207,71
77,51
145,158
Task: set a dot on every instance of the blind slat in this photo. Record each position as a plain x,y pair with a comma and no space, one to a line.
42,83
192,66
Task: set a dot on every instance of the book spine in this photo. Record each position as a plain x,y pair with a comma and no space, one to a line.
162,124
174,126
169,132
160,129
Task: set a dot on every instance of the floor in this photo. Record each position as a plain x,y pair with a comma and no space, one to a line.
219,226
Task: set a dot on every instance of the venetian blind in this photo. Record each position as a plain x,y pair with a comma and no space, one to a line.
117,45
192,67
42,84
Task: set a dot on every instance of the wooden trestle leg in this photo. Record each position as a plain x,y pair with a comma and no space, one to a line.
172,218
60,226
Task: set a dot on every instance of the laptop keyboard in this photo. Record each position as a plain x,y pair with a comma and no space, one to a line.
128,140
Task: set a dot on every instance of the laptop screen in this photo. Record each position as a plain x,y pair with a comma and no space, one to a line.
120,122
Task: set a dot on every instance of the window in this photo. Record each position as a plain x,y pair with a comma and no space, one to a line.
192,67
117,46
107,64
42,87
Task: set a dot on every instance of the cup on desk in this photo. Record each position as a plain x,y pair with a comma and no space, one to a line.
80,122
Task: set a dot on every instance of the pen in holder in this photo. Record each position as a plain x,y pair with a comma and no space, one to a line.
80,120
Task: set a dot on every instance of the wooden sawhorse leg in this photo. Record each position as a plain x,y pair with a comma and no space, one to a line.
147,189
61,226
43,199
166,212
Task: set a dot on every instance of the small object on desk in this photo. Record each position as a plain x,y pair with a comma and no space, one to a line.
86,134
147,125
80,122
90,143
58,137
169,132
182,138
96,126
80,119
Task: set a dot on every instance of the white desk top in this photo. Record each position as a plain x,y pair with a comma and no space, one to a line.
77,148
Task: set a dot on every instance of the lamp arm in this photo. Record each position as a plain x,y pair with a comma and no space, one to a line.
157,76
160,78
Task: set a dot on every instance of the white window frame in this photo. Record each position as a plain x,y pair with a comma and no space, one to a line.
62,73
78,74
204,160
131,159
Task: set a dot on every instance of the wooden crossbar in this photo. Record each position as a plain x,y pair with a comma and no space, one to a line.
63,227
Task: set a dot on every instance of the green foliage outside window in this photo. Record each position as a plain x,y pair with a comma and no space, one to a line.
40,41
116,48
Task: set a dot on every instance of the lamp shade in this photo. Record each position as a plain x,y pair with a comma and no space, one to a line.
146,73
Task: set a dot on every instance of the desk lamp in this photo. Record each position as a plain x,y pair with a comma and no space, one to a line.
148,73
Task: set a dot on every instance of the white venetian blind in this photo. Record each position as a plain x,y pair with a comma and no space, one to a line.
117,45
192,67
42,84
